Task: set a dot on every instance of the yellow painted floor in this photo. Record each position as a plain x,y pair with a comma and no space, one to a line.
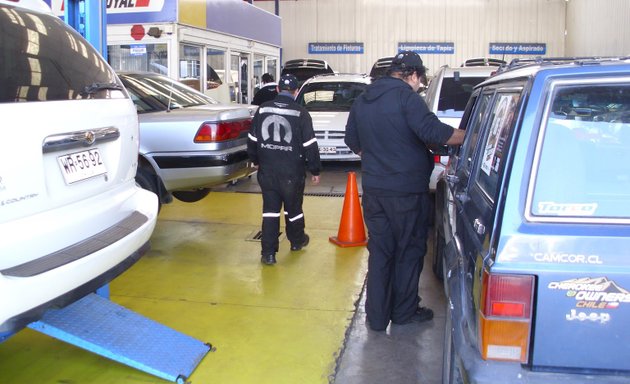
280,324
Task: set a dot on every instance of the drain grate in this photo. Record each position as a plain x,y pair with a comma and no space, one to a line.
325,194
257,236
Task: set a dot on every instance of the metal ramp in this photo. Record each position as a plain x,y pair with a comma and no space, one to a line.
98,325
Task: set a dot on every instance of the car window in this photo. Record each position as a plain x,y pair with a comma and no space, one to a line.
493,146
330,96
43,60
584,163
154,92
468,148
455,93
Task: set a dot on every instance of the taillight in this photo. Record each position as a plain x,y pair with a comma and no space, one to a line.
436,159
221,131
505,316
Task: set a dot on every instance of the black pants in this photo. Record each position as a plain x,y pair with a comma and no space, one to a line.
276,192
398,228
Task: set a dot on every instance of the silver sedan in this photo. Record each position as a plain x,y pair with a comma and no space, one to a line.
189,142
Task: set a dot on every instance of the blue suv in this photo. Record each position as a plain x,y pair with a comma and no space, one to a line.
532,234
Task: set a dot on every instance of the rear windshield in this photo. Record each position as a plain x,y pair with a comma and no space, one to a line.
41,58
584,166
152,92
455,93
328,96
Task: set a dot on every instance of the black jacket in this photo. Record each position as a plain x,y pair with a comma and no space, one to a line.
266,93
389,125
281,139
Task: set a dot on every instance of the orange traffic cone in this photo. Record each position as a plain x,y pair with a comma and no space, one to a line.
351,229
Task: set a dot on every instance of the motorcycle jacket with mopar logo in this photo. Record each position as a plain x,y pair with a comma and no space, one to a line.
281,139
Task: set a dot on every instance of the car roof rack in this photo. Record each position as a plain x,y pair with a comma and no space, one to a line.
483,62
384,62
306,63
580,60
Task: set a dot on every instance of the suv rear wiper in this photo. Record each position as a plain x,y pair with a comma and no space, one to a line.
95,87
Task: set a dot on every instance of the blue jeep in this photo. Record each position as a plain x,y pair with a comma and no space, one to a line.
532,234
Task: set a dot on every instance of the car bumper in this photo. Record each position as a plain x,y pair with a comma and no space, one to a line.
438,169
335,150
64,275
475,370
192,171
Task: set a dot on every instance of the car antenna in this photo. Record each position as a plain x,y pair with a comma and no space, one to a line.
170,96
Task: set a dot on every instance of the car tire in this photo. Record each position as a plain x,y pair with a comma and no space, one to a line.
439,244
191,196
450,373
147,180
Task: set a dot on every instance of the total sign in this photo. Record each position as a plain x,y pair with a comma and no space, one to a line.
130,11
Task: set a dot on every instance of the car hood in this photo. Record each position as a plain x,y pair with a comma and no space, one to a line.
326,121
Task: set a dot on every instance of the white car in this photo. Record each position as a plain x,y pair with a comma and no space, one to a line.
447,96
71,215
328,99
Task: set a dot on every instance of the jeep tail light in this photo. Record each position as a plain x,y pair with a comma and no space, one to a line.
221,131
505,316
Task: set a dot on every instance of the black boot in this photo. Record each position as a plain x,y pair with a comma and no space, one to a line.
268,259
304,243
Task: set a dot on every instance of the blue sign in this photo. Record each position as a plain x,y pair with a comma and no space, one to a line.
351,48
518,48
428,48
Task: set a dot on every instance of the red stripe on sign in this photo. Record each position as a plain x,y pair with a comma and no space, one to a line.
142,3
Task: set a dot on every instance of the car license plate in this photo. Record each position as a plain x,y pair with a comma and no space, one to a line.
328,150
81,165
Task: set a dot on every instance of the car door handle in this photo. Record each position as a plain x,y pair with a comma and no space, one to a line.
462,197
479,227
452,179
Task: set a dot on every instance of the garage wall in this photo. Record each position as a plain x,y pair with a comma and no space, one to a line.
598,28
381,24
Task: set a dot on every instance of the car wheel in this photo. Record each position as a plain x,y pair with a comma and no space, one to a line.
450,372
438,252
191,196
146,180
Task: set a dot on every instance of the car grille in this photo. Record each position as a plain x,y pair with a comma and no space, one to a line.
330,135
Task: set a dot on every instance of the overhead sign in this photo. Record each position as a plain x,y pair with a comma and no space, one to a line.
348,48
518,48
130,11
428,48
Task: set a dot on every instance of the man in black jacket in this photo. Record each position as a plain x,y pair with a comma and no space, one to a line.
389,126
282,144
268,90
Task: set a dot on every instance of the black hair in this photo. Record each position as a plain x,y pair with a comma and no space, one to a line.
267,78
406,72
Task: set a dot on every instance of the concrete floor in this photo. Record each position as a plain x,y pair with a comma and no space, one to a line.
300,321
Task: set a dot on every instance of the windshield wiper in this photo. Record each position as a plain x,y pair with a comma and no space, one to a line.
96,87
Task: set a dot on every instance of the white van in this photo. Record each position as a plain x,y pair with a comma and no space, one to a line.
71,215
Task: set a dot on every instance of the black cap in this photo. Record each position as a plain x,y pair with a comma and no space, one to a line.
288,82
407,60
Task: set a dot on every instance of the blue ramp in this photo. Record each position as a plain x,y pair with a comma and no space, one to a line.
105,328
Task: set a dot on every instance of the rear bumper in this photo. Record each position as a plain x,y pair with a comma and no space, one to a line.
475,370
192,171
438,169
341,151
67,273
19,321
